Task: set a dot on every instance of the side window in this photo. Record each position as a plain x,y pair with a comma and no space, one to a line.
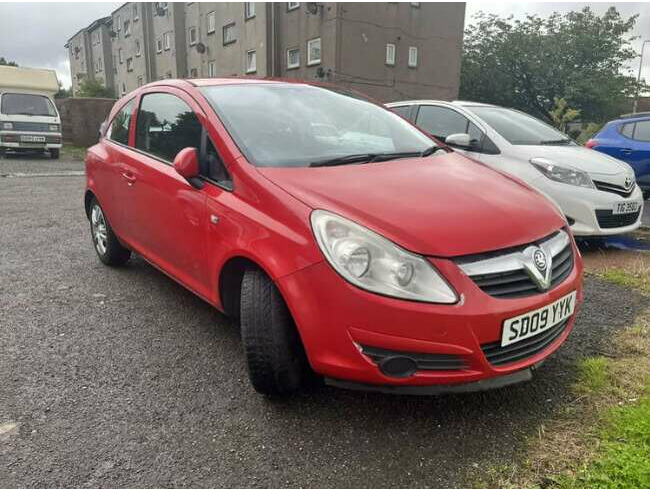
165,126
627,130
440,121
403,110
642,131
119,129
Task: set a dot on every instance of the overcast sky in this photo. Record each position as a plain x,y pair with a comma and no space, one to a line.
33,34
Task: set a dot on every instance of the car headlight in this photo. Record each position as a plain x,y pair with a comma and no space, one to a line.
376,264
54,127
562,173
7,125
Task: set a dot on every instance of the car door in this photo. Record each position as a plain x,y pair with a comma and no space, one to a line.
636,152
109,181
169,222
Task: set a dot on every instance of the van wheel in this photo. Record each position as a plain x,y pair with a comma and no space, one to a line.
277,364
54,153
107,246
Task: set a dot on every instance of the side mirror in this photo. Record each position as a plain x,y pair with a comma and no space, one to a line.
460,140
186,165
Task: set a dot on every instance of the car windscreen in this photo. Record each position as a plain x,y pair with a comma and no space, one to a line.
293,125
27,104
519,128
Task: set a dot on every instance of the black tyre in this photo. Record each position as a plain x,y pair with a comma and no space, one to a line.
277,364
108,248
54,153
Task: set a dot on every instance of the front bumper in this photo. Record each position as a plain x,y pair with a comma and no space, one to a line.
14,140
335,319
580,205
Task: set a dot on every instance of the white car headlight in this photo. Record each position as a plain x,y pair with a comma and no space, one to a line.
376,264
562,173
54,127
7,125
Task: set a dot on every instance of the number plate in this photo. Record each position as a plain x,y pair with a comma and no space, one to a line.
626,207
538,321
32,139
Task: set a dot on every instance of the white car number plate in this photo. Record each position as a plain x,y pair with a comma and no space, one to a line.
538,321
625,207
32,139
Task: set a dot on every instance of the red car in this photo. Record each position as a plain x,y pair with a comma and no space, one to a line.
350,245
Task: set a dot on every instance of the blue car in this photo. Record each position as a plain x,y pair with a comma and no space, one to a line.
628,139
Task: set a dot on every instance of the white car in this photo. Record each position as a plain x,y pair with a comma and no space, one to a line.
597,193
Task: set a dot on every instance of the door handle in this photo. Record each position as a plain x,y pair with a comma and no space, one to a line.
130,178
626,151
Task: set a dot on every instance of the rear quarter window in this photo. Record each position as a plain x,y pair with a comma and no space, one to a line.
626,129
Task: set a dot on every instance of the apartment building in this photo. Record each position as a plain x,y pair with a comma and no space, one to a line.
390,51
90,53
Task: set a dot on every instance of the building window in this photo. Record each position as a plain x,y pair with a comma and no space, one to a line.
212,69
313,52
120,56
229,34
123,88
135,13
114,67
140,81
99,65
168,74
415,4
413,57
194,73
192,36
158,45
293,58
96,67
119,23
138,48
251,61
127,28
167,41
292,5
129,64
212,22
249,10
390,54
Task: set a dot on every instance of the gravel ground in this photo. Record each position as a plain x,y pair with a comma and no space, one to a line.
121,378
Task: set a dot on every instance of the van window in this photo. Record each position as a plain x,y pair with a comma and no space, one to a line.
119,130
165,126
27,104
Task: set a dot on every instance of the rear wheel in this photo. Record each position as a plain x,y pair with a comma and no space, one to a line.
54,153
277,364
109,250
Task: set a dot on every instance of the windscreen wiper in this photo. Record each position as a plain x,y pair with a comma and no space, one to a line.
556,142
344,160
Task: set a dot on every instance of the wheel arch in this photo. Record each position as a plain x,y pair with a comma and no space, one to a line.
230,279
88,199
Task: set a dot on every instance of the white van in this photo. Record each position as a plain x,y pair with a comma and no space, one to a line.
29,120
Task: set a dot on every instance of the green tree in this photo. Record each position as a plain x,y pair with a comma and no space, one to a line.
7,63
94,88
63,93
561,113
579,56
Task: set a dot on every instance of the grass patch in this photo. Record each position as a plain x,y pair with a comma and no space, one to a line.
635,278
594,374
74,152
623,460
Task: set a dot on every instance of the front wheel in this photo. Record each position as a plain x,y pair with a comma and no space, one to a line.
54,153
277,364
109,249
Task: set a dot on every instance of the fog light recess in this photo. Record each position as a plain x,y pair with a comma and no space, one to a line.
398,366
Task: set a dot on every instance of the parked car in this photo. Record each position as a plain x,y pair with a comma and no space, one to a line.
346,242
628,139
29,120
597,193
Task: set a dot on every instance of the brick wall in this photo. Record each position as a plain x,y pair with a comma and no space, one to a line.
81,118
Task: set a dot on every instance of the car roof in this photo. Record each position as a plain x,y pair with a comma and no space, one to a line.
623,118
462,103
208,82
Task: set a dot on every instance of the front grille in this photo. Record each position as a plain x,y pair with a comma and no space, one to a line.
502,275
616,189
607,219
425,362
499,356
31,126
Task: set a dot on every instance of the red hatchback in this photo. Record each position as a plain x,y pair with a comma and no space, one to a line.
348,244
